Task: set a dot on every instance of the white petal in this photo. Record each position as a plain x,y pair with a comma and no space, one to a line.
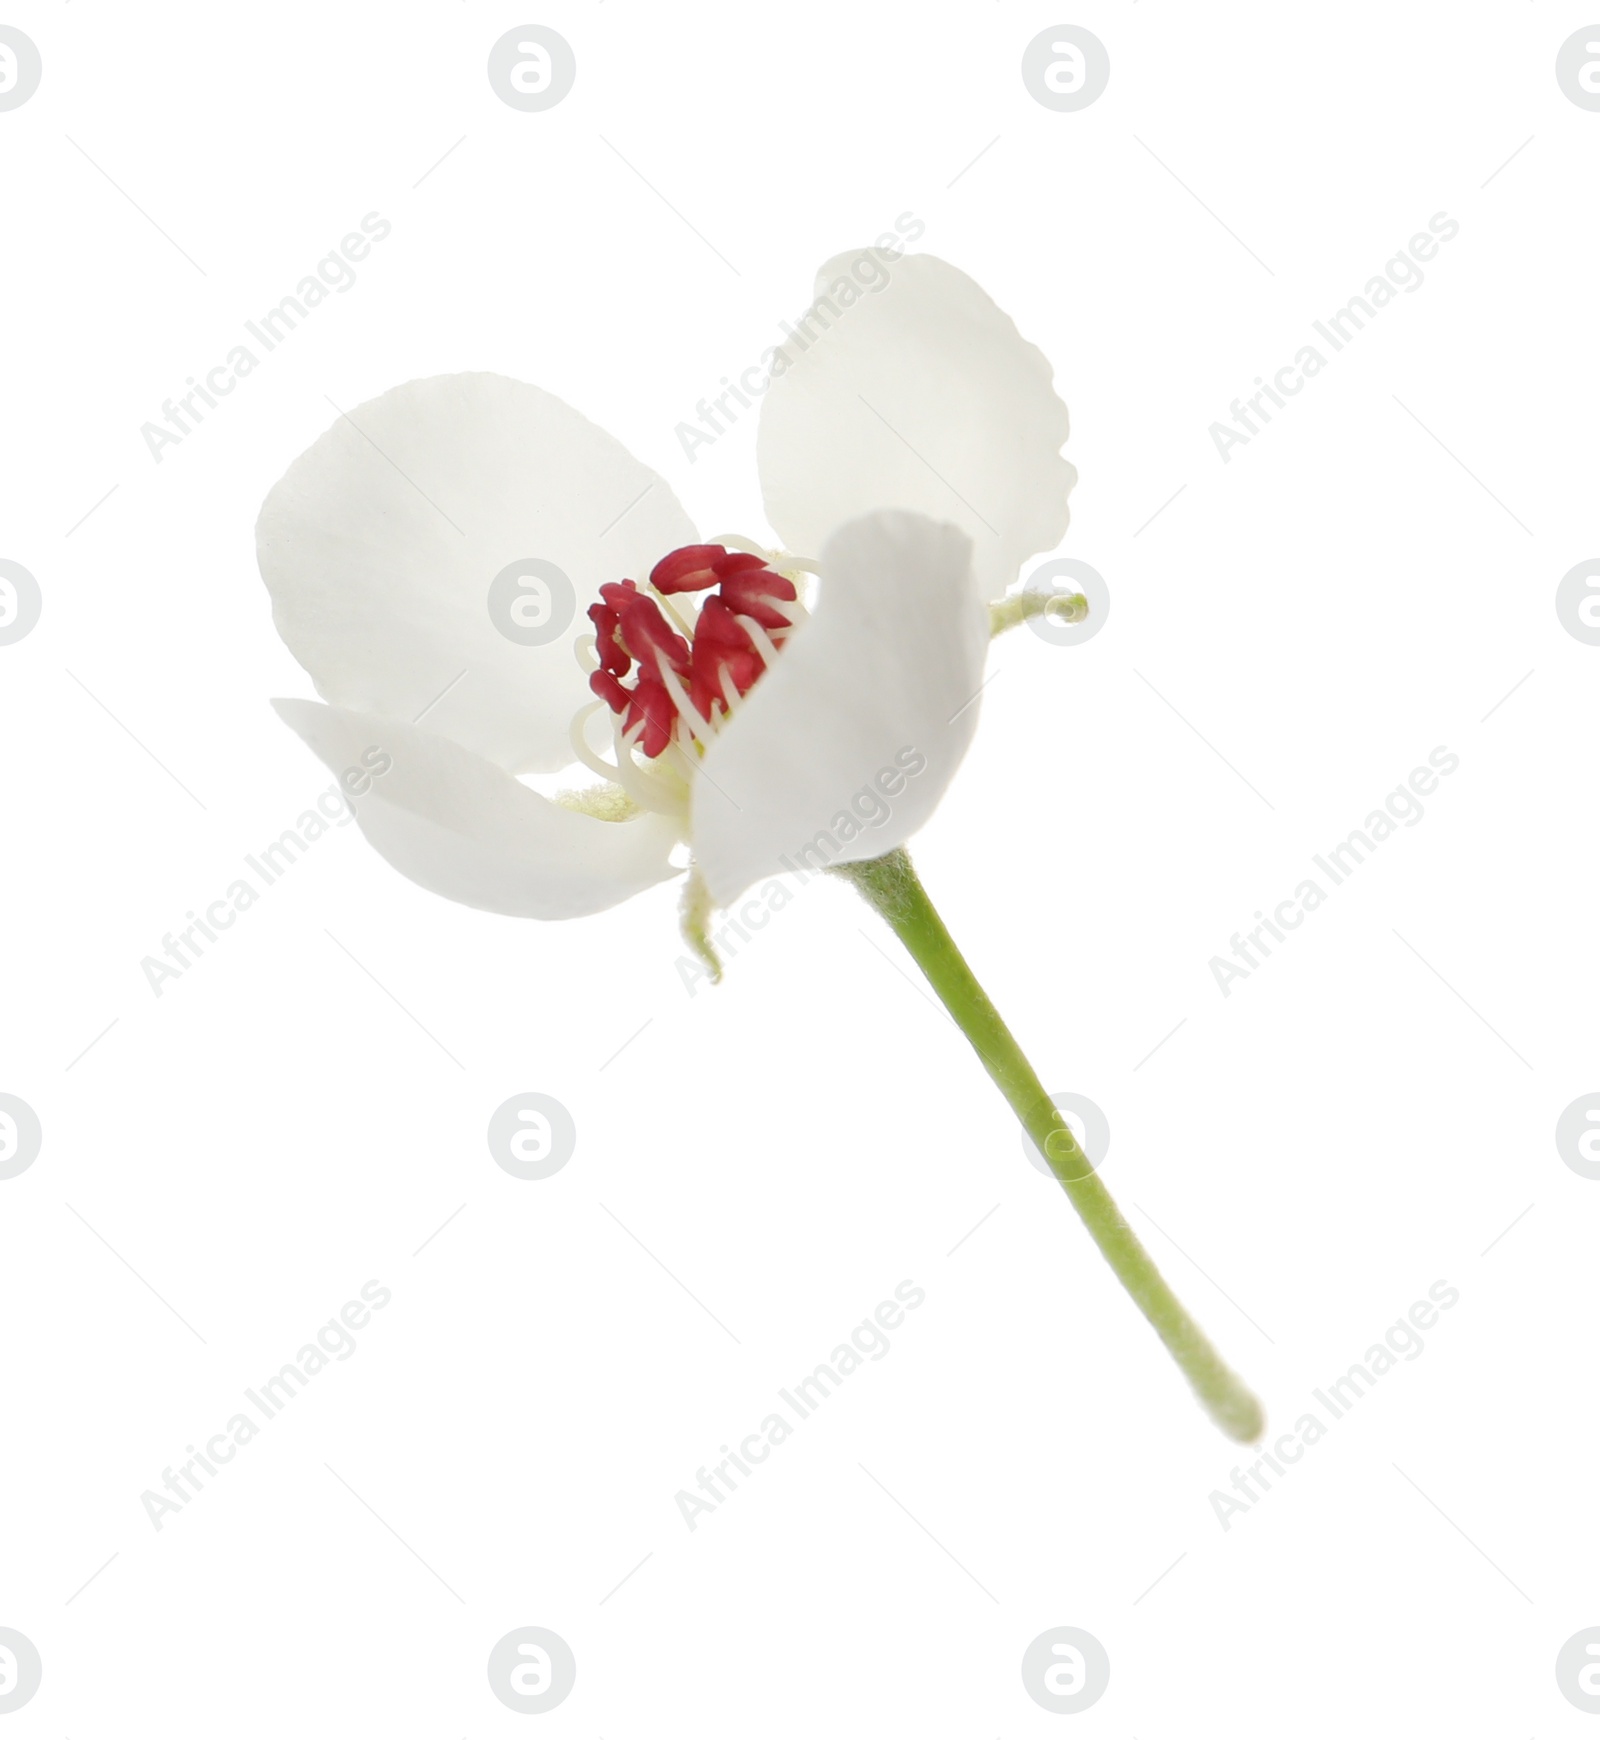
920,394
844,747
464,828
379,544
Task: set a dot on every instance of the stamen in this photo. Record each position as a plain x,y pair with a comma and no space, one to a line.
686,629
647,790
687,710
732,541
577,736
759,635
672,667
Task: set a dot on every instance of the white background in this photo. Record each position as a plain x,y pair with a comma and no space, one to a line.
1324,1143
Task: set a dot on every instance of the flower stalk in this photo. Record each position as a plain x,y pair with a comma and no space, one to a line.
891,887
1023,606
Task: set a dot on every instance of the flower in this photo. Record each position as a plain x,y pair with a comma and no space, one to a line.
909,458
910,461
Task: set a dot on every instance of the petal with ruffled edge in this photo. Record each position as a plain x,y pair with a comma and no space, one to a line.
844,747
918,394
464,828
380,542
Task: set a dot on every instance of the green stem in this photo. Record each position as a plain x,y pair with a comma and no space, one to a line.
1021,606
890,886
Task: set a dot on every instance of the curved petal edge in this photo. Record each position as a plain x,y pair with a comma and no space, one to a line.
457,825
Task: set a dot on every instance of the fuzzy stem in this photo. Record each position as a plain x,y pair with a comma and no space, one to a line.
890,886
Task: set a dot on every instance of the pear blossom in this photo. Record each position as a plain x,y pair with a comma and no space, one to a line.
741,701
752,706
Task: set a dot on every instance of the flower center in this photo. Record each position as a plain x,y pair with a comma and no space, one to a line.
676,659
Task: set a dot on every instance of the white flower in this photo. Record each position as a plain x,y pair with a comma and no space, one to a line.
766,708
910,462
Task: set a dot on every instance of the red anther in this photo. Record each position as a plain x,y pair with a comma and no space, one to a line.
737,561
691,569
645,633
651,703
610,691
717,638
709,691
613,656
705,688
750,593
721,644
743,671
719,662
720,627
